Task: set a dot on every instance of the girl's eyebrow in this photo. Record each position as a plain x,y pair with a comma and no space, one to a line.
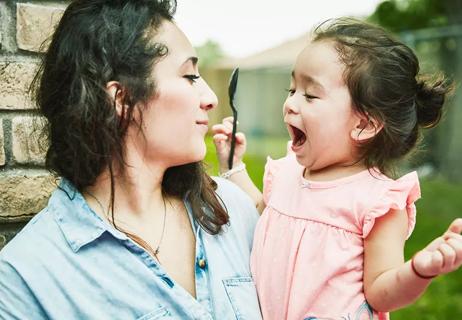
310,80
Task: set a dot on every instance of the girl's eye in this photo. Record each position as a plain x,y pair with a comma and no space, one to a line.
291,92
191,77
309,97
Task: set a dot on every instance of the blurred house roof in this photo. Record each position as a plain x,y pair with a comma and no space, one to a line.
283,55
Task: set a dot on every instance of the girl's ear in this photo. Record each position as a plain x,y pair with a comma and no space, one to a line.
117,93
366,128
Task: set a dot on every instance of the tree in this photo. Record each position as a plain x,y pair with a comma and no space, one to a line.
403,15
209,53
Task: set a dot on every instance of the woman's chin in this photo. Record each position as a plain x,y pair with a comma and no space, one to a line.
197,154
201,153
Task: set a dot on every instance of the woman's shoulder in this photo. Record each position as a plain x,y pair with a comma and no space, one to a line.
240,207
41,236
230,193
32,239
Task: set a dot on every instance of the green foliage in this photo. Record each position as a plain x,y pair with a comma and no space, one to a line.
441,203
396,15
209,53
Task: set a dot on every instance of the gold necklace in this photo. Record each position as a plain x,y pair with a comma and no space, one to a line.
133,237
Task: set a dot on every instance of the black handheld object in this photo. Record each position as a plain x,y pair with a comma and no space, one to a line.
231,91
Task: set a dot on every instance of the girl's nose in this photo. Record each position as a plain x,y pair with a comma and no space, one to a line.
290,106
209,99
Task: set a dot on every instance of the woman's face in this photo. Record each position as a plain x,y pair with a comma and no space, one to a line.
175,119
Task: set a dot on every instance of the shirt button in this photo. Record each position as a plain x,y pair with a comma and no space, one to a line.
201,263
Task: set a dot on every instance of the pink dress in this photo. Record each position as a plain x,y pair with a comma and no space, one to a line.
307,258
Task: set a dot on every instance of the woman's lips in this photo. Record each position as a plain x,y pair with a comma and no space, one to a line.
203,124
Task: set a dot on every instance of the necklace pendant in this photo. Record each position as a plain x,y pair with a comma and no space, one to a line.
156,252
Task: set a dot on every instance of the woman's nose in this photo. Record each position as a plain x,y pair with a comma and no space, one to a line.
209,99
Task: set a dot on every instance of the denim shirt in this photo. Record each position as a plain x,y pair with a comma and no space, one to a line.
68,263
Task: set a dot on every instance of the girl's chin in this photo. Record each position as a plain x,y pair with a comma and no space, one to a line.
302,159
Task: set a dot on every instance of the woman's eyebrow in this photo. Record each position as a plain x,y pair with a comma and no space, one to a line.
192,59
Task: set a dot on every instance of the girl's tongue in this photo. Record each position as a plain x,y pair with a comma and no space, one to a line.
299,137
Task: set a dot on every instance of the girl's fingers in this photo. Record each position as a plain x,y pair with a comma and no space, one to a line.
450,234
219,137
442,255
221,144
434,245
449,257
228,125
436,263
240,138
228,119
428,263
221,128
456,226
456,244
225,127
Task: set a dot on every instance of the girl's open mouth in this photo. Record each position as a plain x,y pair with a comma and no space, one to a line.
298,136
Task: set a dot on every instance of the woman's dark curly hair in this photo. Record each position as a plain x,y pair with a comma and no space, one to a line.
97,41
382,75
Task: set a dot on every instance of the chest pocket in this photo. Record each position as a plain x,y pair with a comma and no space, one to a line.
159,313
243,297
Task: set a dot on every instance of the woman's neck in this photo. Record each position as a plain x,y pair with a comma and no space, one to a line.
137,193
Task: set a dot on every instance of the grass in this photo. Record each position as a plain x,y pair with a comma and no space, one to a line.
441,202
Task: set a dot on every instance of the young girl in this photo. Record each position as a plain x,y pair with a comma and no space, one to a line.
329,244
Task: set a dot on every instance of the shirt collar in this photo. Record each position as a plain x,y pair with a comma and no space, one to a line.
79,224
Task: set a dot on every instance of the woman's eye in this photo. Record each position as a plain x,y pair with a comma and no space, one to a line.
291,92
192,77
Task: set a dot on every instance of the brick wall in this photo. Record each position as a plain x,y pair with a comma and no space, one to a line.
24,183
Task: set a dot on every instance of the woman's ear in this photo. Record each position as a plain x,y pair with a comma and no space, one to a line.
117,94
366,128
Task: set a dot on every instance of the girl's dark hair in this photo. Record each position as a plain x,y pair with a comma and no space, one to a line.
97,41
382,75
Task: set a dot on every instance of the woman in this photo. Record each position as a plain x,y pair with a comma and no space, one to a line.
136,229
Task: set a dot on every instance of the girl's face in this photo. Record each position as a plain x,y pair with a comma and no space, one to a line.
318,110
175,119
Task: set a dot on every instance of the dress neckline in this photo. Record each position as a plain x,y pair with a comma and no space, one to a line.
311,184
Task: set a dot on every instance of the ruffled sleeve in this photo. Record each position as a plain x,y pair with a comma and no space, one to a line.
271,168
400,194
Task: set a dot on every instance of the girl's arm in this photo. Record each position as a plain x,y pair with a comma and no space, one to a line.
222,139
389,282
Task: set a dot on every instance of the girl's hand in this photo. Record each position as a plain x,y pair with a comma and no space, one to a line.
442,255
222,138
